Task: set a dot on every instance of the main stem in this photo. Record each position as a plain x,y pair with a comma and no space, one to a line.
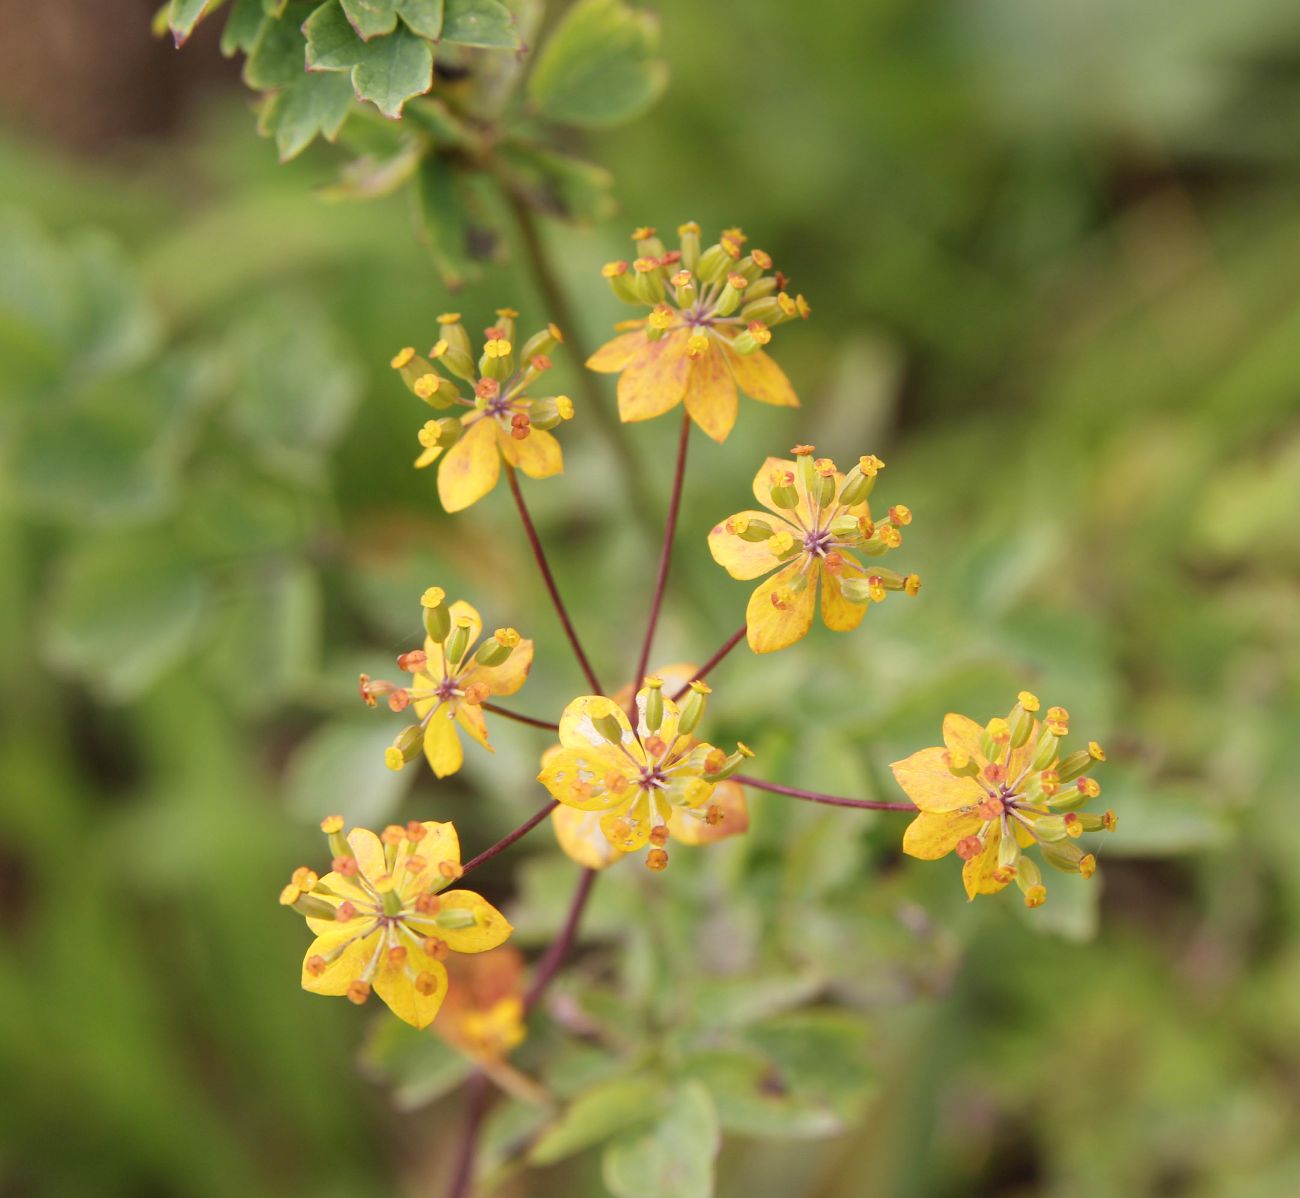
554,956
532,721
727,646
477,1097
561,311
547,577
814,796
665,556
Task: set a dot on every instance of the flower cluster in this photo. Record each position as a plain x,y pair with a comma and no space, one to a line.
384,920
988,793
501,420
452,677
711,312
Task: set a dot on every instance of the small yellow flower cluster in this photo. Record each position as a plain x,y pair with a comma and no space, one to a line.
501,422
990,792
817,526
711,311
384,919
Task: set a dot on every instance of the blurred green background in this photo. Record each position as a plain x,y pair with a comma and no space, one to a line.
1051,251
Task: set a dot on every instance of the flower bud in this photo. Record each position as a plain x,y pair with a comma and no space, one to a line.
437,620
752,530
689,240
406,747
495,650
1022,724
856,590
621,281
1075,765
692,708
729,764
713,265
1045,751
454,917
453,333
460,361
458,641
846,527
654,704
783,493
648,281
542,342
498,361
731,295
609,727
1064,855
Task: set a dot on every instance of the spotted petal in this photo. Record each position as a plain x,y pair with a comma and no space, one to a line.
772,627
614,355
538,455
340,973
838,613
711,393
761,378
489,928
741,558
577,731
580,836
471,467
978,873
509,676
934,834
397,985
442,747
655,379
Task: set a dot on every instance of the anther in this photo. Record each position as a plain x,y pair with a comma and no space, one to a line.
358,991
656,859
316,965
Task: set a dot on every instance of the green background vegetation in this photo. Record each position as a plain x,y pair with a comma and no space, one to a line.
1050,250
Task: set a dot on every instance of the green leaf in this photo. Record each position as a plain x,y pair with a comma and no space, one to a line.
315,103
610,1107
599,67
185,14
754,1099
370,18
484,23
732,1002
242,27
340,768
278,56
423,17
124,610
566,187
387,71
418,1066
674,1159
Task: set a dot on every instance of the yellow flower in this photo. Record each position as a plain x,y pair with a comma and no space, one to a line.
385,922
483,1016
636,782
726,814
817,527
451,679
502,421
711,311
989,792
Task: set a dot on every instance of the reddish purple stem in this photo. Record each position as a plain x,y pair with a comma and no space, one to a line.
549,579
731,642
665,560
531,721
813,796
510,837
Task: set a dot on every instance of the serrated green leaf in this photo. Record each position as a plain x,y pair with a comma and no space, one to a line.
315,103
125,610
371,18
602,1111
340,767
387,70
484,23
674,1159
278,56
599,67
242,27
423,17
185,14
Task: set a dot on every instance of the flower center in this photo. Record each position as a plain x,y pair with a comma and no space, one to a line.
652,778
498,406
817,542
446,690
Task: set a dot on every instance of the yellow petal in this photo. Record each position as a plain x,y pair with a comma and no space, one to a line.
396,985
961,734
428,457
762,379
741,558
635,832
579,835
772,627
578,732
577,778
711,394
509,676
977,873
655,379
838,613
538,455
341,973
932,834
442,745
686,828
470,468
470,717
763,489
928,782
489,929
616,354
369,852
440,843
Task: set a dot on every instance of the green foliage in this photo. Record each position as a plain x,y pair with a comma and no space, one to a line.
672,1159
599,66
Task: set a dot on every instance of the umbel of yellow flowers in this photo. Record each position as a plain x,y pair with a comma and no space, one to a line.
384,920
637,777
817,527
711,312
452,676
502,421
990,792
